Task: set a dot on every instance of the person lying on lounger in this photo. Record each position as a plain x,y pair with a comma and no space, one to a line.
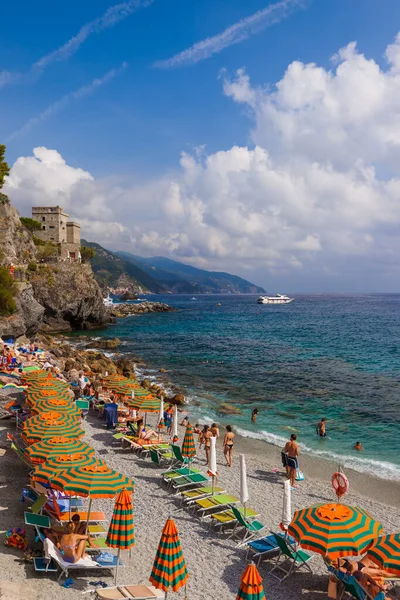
73,545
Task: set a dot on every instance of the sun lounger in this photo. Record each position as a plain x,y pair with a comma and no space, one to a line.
54,511
193,480
191,496
227,517
136,592
169,476
37,520
265,546
53,553
213,504
249,526
287,553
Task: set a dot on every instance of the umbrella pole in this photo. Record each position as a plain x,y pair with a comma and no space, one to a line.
116,566
213,486
88,515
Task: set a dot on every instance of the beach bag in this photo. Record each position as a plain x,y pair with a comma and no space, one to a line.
16,538
299,475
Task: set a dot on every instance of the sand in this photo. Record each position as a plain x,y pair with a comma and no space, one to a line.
214,563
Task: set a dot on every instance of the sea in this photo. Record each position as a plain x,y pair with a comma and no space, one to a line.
332,356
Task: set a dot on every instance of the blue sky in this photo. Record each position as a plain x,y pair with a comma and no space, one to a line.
132,129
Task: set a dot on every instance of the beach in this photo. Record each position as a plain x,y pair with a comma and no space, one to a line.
214,563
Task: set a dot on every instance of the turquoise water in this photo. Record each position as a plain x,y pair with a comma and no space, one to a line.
321,356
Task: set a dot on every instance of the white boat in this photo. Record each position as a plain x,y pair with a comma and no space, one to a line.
193,298
108,301
277,299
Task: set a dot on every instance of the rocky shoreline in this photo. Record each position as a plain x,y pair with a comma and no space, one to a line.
125,310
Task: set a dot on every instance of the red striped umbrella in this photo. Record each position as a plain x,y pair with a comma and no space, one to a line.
169,568
385,552
121,533
251,587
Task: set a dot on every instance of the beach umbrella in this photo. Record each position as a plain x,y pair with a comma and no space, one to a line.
287,505
334,530
385,552
169,568
57,446
121,533
36,396
188,445
37,428
244,492
145,404
160,423
175,425
53,404
251,587
45,472
212,471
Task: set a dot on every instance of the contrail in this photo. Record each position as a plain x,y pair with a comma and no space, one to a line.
240,31
111,17
61,104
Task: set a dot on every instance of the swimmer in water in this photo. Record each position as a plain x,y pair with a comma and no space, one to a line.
254,415
321,428
358,446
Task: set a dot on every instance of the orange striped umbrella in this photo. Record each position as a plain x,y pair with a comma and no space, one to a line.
251,587
46,426
54,404
39,395
188,445
121,533
385,552
45,472
169,568
334,530
96,481
57,446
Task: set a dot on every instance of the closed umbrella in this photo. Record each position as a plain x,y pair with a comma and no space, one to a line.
385,552
212,471
57,446
175,425
121,533
334,530
169,568
251,587
161,424
287,505
188,446
244,492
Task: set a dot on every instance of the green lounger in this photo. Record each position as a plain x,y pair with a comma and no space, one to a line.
37,520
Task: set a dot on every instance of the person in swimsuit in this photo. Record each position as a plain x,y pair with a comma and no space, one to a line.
321,428
80,529
292,450
358,446
228,445
73,545
215,430
205,437
254,415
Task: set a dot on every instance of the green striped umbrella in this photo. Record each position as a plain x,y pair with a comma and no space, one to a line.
251,587
385,552
35,375
38,428
57,446
145,404
121,533
45,472
334,530
188,446
45,384
169,568
92,480
54,404
33,396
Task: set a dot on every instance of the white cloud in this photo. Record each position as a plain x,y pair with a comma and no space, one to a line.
316,198
235,34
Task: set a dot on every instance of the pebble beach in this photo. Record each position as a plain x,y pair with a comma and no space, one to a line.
214,563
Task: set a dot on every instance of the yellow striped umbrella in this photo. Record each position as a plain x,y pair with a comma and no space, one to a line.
39,427
385,552
47,471
57,446
169,568
334,530
251,587
94,481
61,406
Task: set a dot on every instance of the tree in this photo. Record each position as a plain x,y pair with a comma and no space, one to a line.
4,168
8,291
87,253
31,224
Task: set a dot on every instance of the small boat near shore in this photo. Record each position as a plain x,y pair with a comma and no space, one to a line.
277,299
108,301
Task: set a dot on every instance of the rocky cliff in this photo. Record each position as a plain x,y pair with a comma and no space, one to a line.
50,297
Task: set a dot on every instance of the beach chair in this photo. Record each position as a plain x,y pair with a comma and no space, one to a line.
170,475
207,506
39,504
228,518
54,511
193,480
265,546
297,558
51,552
159,458
251,528
190,496
130,592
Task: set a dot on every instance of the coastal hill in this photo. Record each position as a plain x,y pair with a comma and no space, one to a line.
162,275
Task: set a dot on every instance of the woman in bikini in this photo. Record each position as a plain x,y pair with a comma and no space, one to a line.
205,439
72,544
228,445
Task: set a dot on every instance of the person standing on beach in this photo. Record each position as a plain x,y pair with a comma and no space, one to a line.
321,428
205,437
254,415
228,445
292,450
215,430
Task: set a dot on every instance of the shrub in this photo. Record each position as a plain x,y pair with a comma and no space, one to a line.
32,266
31,224
37,241
8,291
87,253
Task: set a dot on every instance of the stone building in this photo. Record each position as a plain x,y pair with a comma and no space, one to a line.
57,228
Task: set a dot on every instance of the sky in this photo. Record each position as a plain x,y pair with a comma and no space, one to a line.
261,137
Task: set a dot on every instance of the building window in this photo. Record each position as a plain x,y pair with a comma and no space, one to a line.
51,227
52,239
43,227
43,218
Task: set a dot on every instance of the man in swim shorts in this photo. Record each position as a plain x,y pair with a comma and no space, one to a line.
292,450
321,428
